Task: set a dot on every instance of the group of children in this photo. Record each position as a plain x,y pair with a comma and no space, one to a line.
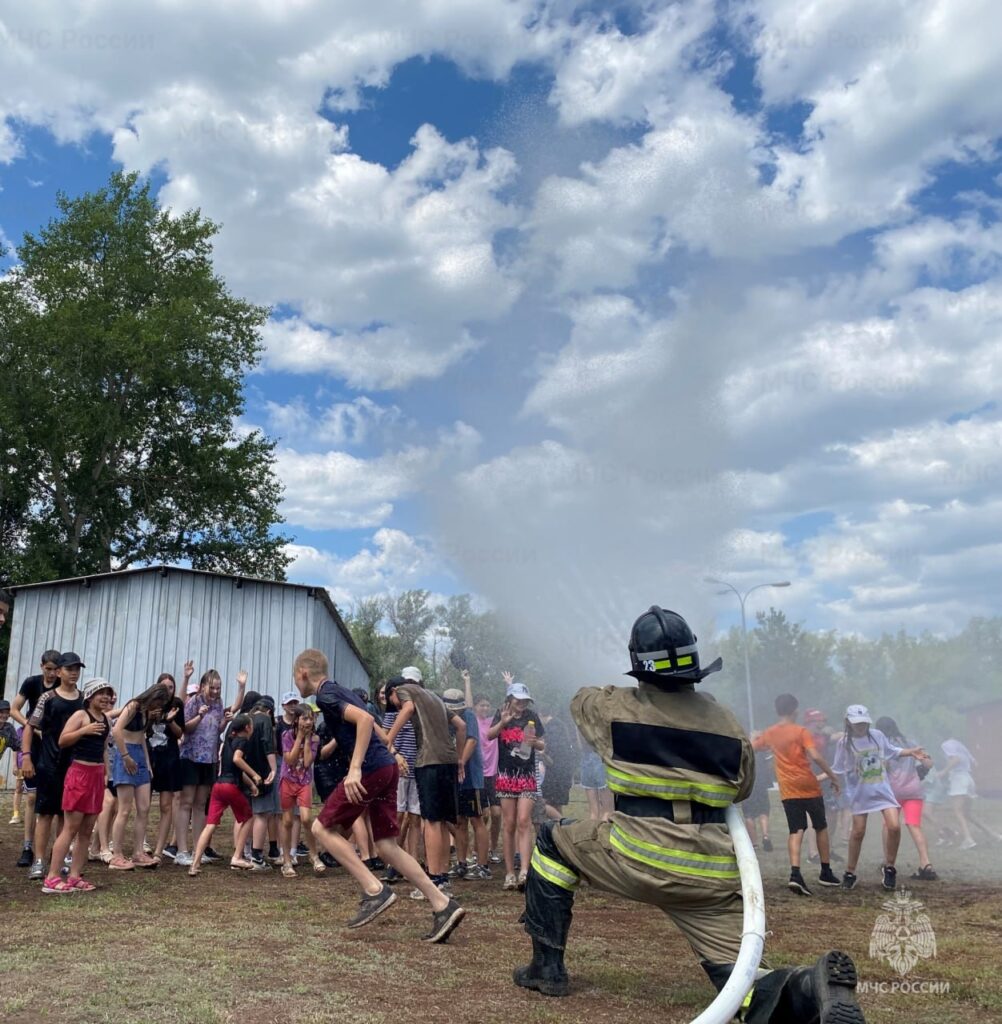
411,769
874,769
444,767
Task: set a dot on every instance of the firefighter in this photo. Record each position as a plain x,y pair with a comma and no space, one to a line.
675,759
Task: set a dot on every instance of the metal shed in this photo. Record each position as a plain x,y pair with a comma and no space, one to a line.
132,625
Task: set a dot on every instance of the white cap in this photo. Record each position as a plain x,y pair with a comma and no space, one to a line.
856,713
413,673
519,691
290,697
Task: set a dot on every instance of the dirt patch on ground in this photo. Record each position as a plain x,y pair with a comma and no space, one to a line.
226,948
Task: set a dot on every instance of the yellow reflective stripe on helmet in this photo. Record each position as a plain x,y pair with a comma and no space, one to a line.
684,862
553,871
687,660
714,795
658,665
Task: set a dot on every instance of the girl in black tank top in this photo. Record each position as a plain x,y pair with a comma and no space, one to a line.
90,747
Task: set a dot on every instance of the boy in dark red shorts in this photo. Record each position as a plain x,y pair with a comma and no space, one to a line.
235,775
370,784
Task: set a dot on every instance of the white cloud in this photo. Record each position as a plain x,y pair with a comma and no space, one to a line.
383,358
695,362
334,490
606,75
340,423
394,561
895,87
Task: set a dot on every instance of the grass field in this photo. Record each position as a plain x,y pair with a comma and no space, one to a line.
159,947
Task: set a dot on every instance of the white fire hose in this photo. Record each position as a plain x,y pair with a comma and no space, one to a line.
739,984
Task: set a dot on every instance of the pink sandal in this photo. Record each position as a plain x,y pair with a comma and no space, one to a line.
56,886
121,864
81,884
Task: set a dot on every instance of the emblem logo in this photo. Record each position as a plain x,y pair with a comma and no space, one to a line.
904,935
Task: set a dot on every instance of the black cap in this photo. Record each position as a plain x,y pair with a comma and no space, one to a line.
68,659
4,705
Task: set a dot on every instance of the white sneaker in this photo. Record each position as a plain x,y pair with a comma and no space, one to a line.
15,820
184,860
417,894
968,844
510,882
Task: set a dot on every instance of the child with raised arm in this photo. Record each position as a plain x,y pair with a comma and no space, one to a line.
85,739
204,719
861,757
515,724
300,746
370,784
163,735
236,779
437,767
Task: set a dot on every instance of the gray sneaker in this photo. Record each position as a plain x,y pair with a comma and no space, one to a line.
443,924
37,872
184,860
370,907
260,865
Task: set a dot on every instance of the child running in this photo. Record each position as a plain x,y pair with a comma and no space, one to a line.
85,738
793,752
370,784
300,746
228,791
860,756
906,776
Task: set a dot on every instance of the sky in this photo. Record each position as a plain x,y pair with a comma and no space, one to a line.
577,304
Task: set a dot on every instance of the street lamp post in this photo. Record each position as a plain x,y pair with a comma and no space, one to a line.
744,632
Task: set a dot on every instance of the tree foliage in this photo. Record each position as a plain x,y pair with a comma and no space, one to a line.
924,682
122,359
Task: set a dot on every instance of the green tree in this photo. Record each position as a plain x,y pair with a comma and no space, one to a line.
122,359
784,658
411,617
365,623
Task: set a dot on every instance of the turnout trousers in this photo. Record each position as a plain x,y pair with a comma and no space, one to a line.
711,920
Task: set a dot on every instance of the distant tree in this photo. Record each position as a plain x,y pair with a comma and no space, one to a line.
411,617
365,622
122,360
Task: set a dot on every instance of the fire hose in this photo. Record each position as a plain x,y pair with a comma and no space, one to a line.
729,999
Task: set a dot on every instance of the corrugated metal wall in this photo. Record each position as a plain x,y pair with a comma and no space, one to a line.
130,627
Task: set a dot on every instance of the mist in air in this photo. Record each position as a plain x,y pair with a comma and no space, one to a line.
623,506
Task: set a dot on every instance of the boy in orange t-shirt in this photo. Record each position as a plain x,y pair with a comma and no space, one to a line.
793,751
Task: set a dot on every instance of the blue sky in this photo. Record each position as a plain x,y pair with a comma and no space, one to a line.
583,305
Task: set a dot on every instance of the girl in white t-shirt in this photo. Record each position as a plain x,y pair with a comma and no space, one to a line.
860,757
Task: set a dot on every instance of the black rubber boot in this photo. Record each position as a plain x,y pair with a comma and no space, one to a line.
545,973
822,994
